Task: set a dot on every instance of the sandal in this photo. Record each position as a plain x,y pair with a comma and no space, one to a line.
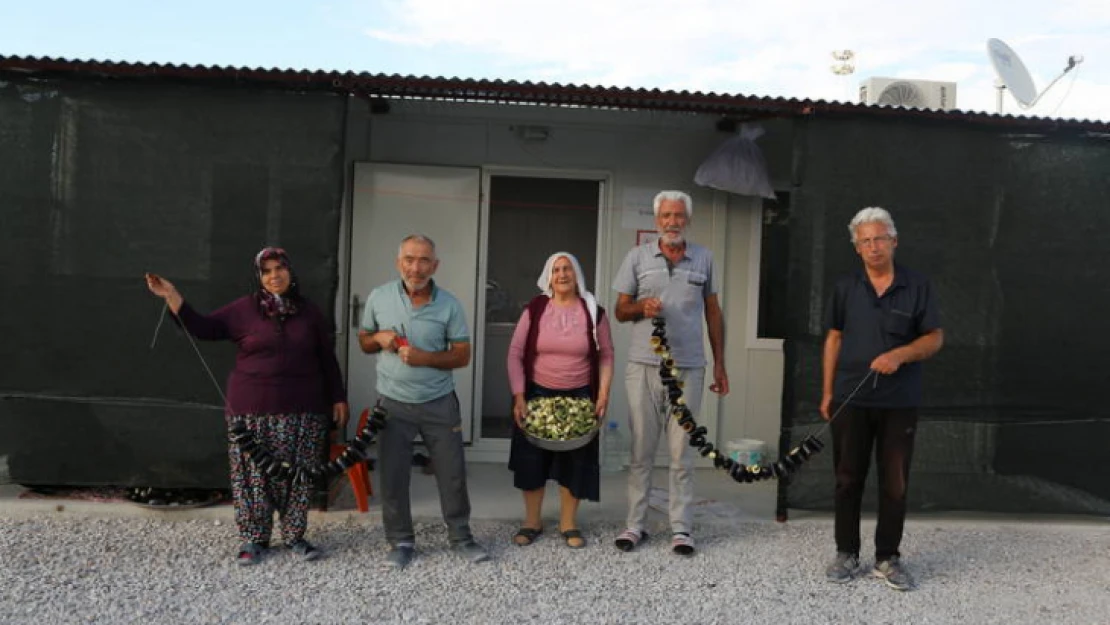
249,554
574,534
630,538
682,544
526,536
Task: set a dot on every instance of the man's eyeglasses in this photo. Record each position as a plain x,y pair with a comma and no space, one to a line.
880,240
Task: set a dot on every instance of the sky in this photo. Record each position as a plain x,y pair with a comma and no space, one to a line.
781,48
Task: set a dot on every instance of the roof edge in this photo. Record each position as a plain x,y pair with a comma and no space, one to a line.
541,93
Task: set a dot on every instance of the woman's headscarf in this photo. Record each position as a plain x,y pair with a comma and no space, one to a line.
275,306
544,282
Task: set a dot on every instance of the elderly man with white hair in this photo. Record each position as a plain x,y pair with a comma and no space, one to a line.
673,278
882,321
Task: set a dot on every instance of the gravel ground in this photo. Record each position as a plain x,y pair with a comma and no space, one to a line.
75,570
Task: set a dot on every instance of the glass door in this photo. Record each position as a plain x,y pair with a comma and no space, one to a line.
530,218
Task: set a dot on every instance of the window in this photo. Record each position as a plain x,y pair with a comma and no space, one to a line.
774,259
530,218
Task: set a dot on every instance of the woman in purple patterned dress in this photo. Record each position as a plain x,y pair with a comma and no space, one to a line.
284,388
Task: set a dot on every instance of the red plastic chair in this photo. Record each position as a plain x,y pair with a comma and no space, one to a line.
358,473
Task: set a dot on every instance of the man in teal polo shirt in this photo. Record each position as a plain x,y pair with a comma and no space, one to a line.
419,331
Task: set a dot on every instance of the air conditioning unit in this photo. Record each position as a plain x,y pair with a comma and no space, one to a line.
918,94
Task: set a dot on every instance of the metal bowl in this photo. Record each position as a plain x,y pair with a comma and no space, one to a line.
569,444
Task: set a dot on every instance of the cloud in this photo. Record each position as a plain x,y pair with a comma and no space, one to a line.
761,48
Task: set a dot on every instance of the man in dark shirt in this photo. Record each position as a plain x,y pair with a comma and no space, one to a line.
882,321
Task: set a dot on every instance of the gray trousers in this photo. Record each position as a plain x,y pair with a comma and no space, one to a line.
649,419
439,423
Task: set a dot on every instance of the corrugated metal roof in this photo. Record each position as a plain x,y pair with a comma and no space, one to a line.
536,93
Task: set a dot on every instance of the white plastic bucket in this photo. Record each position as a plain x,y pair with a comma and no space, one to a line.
746,451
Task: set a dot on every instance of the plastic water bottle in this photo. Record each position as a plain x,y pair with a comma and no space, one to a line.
612,459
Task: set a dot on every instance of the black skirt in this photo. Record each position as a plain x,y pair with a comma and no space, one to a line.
576,470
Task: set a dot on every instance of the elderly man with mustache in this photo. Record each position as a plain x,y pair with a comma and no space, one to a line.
418,330
673,278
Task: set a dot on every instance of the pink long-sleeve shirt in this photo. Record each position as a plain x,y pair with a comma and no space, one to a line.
562,348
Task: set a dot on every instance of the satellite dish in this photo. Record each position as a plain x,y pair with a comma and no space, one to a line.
1012,73
902,93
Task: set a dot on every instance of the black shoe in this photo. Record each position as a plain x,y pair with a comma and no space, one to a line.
305,551
400,557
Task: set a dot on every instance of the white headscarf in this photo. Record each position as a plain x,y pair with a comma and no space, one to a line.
544,282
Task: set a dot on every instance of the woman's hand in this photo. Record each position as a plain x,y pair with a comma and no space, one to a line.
341,413
165,289
601,406
520,409
159,286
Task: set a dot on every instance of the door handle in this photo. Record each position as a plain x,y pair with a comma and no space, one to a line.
356,310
